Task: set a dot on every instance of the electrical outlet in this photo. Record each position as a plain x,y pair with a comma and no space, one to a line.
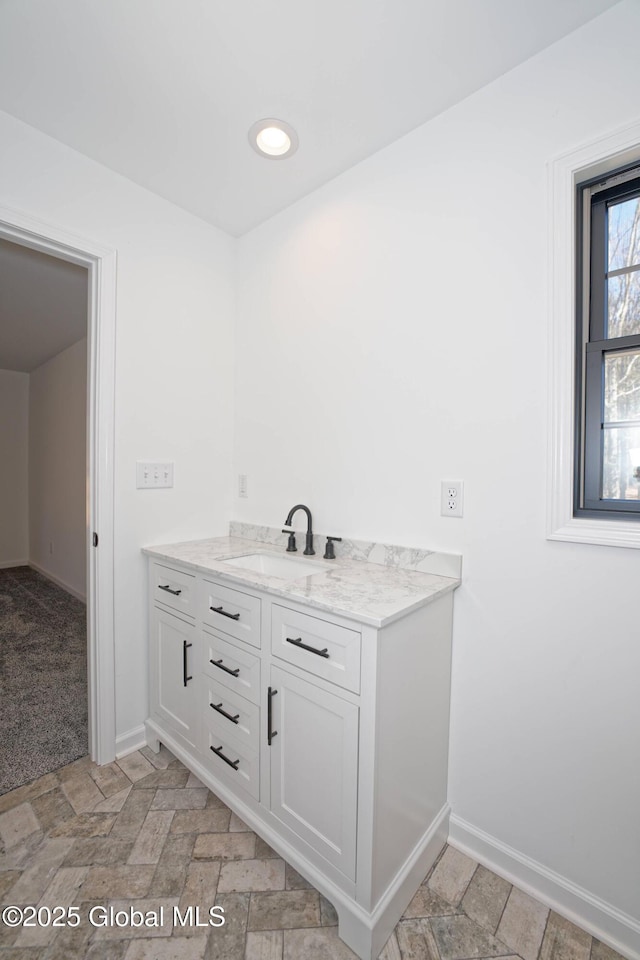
242,486
451,498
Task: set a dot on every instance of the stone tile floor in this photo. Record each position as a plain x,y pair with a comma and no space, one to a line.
144,833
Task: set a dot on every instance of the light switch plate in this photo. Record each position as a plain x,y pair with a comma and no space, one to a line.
151,475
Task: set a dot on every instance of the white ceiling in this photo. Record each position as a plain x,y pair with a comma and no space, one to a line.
43,306
164,91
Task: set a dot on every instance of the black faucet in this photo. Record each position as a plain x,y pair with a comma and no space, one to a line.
308,550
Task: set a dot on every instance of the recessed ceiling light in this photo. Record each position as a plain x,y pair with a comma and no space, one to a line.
273,138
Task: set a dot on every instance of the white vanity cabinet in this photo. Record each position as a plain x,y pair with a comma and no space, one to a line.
326,735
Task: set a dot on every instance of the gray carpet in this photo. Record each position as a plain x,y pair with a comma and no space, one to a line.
43,677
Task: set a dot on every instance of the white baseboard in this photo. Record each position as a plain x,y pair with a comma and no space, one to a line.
392,905
130,741
13,563
618,930
59,583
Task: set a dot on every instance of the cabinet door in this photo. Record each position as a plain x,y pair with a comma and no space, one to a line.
314,767
174,666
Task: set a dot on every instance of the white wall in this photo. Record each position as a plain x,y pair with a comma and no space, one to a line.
58,467
391,333
14,418
174,356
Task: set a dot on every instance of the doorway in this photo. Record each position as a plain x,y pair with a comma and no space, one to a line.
100,264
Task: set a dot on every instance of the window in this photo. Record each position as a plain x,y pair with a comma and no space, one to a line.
607,406
569,175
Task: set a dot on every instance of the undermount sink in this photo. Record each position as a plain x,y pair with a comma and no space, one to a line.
270,565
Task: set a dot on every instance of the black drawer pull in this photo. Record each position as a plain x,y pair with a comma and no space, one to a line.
219,753
298,643
218,707
221,666
166,587
185,647
270,733
232,616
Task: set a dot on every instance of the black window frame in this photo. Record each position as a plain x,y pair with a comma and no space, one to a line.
591,343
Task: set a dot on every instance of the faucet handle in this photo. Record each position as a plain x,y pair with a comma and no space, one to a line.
291,544
329,553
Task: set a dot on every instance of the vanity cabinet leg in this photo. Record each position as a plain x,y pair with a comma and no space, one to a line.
358,935
152,741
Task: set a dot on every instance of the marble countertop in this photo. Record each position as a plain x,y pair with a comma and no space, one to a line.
371,593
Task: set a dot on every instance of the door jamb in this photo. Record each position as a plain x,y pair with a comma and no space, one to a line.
100,263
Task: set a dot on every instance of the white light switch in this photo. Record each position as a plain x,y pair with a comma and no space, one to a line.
151,475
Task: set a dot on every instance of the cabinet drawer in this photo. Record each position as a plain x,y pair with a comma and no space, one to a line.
174,588
236,669
325,649
233,761
229,714
231,611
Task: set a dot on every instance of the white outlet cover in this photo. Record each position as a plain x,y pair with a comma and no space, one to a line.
451,498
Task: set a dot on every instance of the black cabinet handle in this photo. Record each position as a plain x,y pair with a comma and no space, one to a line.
219,753
298,643
185,647
166,587
270,733
221,666
218,707
232,616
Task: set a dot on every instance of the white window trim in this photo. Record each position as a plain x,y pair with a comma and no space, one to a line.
590,160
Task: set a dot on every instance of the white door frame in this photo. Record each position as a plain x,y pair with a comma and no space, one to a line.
101,327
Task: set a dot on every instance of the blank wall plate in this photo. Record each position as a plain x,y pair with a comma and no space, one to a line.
153,476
